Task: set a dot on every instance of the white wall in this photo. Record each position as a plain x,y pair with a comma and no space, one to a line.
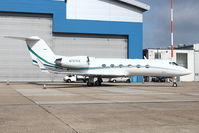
190,62
104,10
166,55
196,47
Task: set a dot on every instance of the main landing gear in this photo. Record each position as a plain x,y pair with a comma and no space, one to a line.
92,82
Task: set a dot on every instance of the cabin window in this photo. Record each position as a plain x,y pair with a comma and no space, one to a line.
138,66
103,65
120,65
147,66
112,65
129,65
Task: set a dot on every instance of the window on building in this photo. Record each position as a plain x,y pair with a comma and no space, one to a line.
157,55
182,59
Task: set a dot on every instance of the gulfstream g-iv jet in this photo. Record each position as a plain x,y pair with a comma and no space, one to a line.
97,68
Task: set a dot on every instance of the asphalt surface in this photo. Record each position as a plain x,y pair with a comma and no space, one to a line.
112,108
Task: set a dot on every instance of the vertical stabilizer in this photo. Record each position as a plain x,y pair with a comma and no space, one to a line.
39,50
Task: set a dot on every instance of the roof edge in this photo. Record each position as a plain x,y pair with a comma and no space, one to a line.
138,4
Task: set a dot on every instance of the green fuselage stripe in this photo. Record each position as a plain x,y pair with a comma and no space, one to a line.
40,57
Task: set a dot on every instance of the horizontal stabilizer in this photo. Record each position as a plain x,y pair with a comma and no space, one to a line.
41,66
23,38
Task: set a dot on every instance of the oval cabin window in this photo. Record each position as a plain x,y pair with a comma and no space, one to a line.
120,65
147,66
129,65
112,65
138,66
103,65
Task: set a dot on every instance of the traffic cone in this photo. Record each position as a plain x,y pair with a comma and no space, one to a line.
44,86
7,82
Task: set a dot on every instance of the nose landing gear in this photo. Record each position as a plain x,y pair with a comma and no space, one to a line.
173,80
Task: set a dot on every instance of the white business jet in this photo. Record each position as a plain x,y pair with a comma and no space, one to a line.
98,68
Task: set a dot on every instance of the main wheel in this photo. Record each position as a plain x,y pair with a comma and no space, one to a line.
90,84
98,83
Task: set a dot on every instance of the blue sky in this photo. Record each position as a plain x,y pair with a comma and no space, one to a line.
157,23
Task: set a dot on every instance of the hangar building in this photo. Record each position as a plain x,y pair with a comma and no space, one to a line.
99,28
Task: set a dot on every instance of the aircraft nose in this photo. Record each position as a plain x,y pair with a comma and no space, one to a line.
187,72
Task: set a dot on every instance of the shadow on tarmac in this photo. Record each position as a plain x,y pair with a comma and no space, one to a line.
117,85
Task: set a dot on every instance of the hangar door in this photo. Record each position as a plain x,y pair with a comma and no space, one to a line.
16,64
100,46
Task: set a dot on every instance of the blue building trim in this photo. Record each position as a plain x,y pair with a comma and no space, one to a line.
63,25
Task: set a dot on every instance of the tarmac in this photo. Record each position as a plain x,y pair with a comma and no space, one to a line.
111,108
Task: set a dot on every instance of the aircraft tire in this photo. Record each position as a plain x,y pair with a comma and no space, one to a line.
90,84
175,84
98,83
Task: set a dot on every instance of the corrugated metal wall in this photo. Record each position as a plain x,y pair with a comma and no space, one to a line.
16,64
103,46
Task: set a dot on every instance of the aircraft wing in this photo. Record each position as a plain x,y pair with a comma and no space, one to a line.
94,75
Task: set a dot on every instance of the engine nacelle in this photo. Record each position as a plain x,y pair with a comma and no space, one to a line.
73,62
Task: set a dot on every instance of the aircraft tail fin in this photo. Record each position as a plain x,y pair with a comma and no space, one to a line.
40,52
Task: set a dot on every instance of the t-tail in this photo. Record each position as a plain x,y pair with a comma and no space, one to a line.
40,52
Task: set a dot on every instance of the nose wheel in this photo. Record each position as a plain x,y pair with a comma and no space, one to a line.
173,80
175,84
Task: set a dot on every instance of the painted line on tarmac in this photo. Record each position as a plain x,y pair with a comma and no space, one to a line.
111,102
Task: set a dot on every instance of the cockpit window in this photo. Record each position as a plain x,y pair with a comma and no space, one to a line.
173,63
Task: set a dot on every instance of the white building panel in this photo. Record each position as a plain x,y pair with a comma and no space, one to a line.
197,66
190,63
196,49
103,10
